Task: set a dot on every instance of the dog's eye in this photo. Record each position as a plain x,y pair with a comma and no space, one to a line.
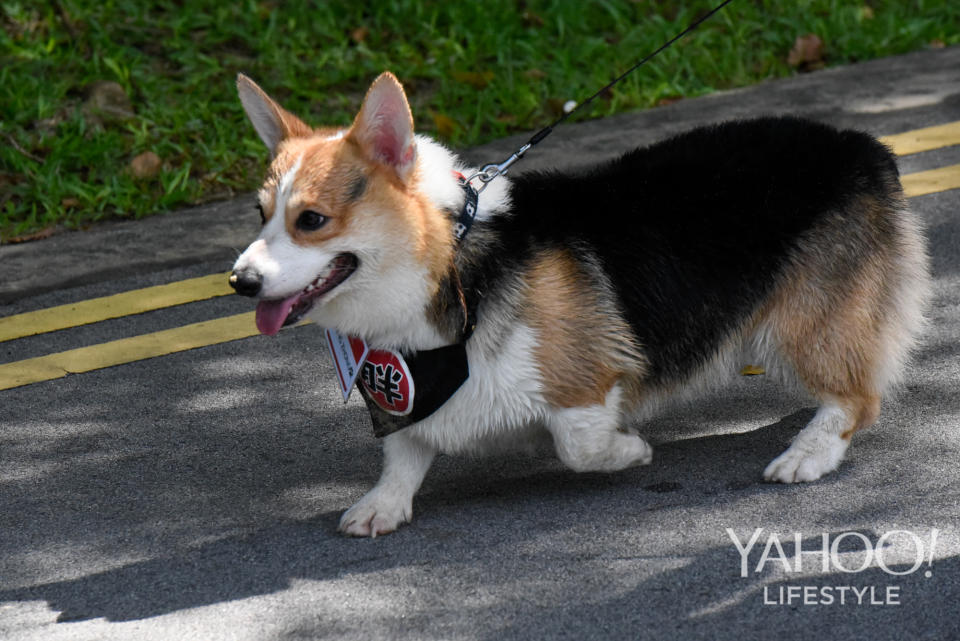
263,217
310,220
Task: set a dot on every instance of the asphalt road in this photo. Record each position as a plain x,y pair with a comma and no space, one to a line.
196,495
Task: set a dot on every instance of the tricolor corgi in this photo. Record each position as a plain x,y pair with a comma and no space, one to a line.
568,305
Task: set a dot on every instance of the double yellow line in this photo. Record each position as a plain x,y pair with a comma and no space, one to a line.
124,350
927,139
231,328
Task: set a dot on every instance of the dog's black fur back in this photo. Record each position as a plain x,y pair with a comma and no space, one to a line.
693,232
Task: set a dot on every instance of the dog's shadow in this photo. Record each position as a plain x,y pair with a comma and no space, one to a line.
463,502
690,465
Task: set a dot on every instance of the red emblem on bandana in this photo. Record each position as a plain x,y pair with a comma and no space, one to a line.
386,378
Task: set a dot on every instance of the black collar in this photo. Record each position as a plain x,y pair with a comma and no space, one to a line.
469,212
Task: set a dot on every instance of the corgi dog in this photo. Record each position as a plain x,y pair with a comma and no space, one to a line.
580,301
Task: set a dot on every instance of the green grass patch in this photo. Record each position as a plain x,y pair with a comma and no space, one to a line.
474,71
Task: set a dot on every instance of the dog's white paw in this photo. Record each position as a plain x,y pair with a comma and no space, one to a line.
799,464
636,450
378,512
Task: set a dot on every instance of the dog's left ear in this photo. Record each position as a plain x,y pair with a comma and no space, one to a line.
384,126
272,122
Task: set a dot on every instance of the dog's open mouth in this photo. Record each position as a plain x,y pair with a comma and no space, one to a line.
274,314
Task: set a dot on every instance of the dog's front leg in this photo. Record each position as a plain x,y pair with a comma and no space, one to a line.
406,460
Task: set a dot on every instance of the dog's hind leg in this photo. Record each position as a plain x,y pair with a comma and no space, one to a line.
591,439
846,322
837,350
406,460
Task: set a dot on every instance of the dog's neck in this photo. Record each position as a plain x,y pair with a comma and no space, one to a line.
452,309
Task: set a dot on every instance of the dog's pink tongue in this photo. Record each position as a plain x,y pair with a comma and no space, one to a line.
272,313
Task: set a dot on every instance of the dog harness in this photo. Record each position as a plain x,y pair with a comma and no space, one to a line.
401,389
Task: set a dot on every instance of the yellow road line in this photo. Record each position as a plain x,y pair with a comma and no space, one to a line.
127,350
128,303
926,139
931,181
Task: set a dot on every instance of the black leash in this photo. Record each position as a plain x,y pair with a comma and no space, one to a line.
489,172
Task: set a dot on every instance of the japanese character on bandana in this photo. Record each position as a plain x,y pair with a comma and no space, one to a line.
384,379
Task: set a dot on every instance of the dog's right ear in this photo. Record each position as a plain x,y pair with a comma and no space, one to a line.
272,122
384,126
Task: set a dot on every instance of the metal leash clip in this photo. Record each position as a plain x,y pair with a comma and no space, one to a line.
488,172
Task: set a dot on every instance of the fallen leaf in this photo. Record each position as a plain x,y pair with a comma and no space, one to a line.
752,370
535,74
107,101
554,107
445,125
807,52
668,100
46,232
531,19
145,165
937,43
359,34
478,79
70,202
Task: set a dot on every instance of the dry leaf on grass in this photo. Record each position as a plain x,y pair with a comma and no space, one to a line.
145,165
478,79
359,34
106,101
531,19
668,100
444,124
807,53
46,232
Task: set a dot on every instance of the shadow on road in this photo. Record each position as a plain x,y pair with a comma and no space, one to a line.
215,480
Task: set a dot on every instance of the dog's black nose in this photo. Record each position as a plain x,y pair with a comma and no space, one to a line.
246,282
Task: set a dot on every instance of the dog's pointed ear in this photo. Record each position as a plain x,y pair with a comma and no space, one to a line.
272,122
384,126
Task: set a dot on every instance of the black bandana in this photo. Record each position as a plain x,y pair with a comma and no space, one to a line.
399,396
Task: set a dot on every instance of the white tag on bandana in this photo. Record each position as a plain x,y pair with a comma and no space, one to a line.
348,354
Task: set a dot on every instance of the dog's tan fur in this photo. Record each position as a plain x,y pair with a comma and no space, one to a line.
584,347
833,328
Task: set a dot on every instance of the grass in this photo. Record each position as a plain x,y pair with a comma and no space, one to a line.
474,71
